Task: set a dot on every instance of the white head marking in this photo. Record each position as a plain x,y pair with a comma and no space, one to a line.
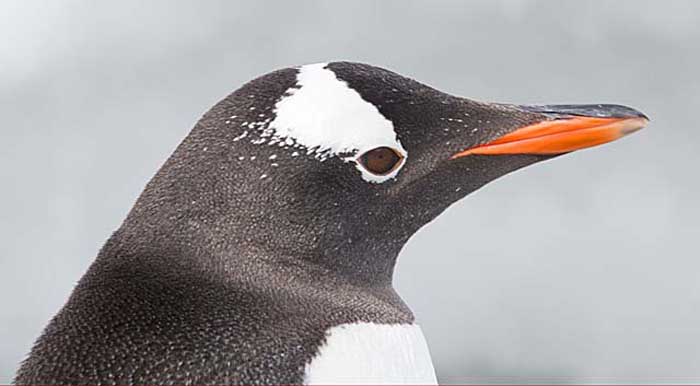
329,118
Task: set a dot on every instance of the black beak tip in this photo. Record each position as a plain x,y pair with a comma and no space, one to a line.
596,111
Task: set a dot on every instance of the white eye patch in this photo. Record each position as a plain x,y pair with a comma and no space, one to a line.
325,115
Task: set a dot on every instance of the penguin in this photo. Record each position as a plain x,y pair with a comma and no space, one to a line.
263,250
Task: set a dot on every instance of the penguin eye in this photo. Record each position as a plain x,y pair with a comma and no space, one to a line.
381,161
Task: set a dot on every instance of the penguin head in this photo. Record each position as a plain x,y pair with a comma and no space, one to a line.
338,164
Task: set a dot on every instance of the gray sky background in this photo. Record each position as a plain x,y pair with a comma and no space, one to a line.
582,269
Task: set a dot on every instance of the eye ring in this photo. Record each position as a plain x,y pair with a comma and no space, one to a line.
381,161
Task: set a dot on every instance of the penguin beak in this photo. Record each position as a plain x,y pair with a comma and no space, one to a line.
565,128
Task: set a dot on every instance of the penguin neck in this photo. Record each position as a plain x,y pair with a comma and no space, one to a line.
257,241
360,267
252,265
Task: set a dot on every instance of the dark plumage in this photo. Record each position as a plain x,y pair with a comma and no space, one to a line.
220,275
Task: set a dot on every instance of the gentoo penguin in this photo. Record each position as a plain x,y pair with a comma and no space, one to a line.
263,249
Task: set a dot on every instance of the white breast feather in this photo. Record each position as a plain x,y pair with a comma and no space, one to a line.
368,353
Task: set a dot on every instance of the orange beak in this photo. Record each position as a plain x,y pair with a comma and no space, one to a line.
560,135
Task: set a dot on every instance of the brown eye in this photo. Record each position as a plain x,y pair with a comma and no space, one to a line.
382,160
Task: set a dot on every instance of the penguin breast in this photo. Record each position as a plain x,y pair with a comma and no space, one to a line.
369,353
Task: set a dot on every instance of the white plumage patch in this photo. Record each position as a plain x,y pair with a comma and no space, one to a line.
325,115
368,353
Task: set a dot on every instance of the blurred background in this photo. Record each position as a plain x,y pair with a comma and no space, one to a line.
582,269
